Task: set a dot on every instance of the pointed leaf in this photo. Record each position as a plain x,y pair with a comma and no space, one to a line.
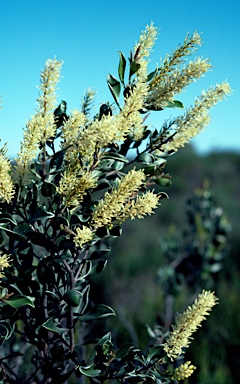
154,352
121,67
106,338
124,349
163,181
174,104
85,298
41,213
98,267
99,253
12,234
152,75
90,371
48,189
51,326
146,158
7,218
114,86
134,67
5,331
115,156
18,301
98,312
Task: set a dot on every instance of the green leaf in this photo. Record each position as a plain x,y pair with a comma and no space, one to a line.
174,104
150,332
98,267
48,189
99,253
72,297
12,234
85,298
146,158
124,349
106,338
118,165
114,86
5,330
156,351
134,67
41,213
18,301
3,292
106,164
152,75
50,324
163,181
98,312
97,174
90,371
115,156
159,161
149,170
121,66
7,218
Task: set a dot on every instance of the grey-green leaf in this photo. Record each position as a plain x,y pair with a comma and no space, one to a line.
152,75
5,330
18,301
134,67
146,158
98,312
174,104
121,67
41,213
90,371
51,326
114,86
48,189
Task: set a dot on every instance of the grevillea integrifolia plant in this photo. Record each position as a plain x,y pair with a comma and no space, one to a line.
62,202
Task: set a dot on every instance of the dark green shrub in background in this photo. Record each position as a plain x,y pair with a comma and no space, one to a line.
62,206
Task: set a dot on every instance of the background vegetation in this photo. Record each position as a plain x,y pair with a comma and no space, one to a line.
128,284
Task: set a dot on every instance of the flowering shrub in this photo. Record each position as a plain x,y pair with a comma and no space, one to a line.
60,207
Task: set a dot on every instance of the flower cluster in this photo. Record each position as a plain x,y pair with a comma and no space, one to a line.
83,236
70,133
176,58
41,126
187,323
6,184
49,78
4,263
74,184
142,206
183,371
196,118
164,91
112,206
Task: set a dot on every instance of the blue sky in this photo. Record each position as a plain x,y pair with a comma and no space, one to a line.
87,37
